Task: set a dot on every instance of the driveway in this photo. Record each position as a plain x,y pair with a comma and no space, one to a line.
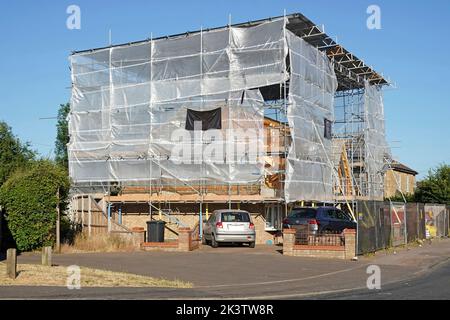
224,266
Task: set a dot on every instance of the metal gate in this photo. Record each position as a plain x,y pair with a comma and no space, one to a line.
415,221
398,224
374,226
437,220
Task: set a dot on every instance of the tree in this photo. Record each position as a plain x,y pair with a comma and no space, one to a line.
435,188
29,198
62,136
13,153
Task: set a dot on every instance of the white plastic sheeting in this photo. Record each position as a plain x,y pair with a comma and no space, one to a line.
129,105
376,147
128,101
312,87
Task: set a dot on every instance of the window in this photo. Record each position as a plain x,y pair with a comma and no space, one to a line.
342,215
407,184
339,215
331,213
274,217
209,119
398,181
235,217
327,129
304,213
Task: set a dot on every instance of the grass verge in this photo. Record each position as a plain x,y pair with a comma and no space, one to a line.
38,275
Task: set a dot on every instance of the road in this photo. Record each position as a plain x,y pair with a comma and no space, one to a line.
261,273
435,285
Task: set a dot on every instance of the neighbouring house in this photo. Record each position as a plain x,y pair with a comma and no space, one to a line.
399,178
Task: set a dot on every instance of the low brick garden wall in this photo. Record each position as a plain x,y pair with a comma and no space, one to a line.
186,242
318,246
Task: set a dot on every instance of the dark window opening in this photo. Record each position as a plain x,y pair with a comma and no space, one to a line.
327,131
211,119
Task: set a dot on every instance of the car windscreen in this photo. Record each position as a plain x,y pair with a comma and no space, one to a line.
235,217
304,213
343,215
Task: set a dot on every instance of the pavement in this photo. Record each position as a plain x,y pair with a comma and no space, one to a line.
242,273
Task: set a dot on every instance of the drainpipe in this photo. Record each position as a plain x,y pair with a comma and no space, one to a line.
89,215
109,217
200,225
1,228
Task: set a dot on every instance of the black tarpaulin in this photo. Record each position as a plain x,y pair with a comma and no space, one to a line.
211,119
327,129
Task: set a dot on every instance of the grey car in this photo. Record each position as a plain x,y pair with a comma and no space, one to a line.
233,226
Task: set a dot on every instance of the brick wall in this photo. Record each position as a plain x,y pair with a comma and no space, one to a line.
133,220
262,236
184,243
319,252
347,251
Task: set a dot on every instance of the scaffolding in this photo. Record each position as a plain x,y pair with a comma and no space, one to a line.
129,108
296,118
359,136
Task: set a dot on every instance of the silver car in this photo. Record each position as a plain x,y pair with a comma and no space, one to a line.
233,226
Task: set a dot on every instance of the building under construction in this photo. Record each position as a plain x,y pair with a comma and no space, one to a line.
261,116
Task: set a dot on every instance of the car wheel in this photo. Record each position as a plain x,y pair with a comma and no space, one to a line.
214,243
251,244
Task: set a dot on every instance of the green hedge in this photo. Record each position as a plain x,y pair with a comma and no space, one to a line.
29,197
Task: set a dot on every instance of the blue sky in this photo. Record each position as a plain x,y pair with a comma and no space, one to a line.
412,48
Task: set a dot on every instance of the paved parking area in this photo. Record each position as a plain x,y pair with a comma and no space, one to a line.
243,249
206,266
